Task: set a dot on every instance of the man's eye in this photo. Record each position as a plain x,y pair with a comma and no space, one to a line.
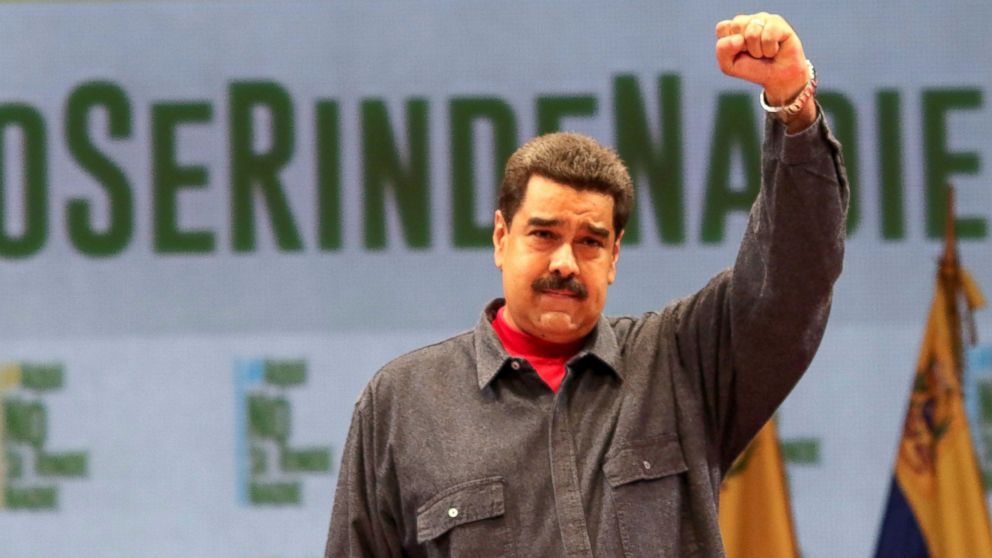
592,242
542,234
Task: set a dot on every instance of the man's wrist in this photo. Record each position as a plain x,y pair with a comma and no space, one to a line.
802,120
797,110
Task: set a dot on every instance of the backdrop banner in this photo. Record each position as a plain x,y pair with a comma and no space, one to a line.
219,219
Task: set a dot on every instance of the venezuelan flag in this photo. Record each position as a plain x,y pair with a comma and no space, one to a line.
755,515
936,506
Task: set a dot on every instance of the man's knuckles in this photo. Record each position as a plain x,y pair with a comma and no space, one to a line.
727,49
747,44
769,46
723,28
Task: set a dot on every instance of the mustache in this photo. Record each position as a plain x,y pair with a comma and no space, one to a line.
555,282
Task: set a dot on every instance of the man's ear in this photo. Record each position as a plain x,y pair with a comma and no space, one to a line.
612,275
500,231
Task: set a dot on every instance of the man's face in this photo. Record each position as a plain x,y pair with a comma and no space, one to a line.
558,259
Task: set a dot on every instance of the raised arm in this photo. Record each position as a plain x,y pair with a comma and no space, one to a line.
753,330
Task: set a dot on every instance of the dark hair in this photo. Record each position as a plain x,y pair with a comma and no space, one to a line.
572,159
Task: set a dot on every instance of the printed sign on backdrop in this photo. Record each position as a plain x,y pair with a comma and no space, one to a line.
31,471
978,402
270,469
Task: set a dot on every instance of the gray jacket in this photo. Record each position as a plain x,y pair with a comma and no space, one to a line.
457,449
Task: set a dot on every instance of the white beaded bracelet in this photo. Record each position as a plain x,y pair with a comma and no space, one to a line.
799,102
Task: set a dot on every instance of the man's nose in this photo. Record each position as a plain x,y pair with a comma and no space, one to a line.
563,261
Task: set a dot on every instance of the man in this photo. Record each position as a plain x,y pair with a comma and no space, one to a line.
551,430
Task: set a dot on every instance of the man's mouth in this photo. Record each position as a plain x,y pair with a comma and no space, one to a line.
560,293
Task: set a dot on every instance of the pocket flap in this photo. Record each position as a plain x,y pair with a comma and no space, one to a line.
646,459
460,504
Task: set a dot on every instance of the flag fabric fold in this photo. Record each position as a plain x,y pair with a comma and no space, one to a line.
755,514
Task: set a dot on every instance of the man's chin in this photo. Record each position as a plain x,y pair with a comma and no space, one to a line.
559,327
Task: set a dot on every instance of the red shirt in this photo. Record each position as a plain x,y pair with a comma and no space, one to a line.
547,358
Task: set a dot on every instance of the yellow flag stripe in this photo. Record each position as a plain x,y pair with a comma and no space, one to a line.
755,514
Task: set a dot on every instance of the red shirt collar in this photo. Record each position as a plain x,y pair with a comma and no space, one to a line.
522,344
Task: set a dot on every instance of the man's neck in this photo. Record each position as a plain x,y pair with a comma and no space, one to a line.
521,343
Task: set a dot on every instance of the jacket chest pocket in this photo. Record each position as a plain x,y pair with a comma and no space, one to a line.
648,489
468,519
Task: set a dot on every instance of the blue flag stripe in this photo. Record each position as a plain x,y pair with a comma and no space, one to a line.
900,536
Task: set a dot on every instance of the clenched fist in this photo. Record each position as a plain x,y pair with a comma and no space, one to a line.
763,48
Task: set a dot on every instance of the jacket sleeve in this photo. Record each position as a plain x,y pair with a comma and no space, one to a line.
753,330
361,526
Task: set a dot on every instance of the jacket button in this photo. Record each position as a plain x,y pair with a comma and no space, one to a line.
647,464
452,512
515,365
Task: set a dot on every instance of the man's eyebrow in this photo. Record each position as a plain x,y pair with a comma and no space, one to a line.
598,231
541,222
593,229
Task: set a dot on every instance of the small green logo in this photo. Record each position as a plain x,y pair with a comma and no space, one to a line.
983,431
30,472
269,467
978,404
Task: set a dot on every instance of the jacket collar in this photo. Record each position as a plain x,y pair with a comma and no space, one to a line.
491,358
